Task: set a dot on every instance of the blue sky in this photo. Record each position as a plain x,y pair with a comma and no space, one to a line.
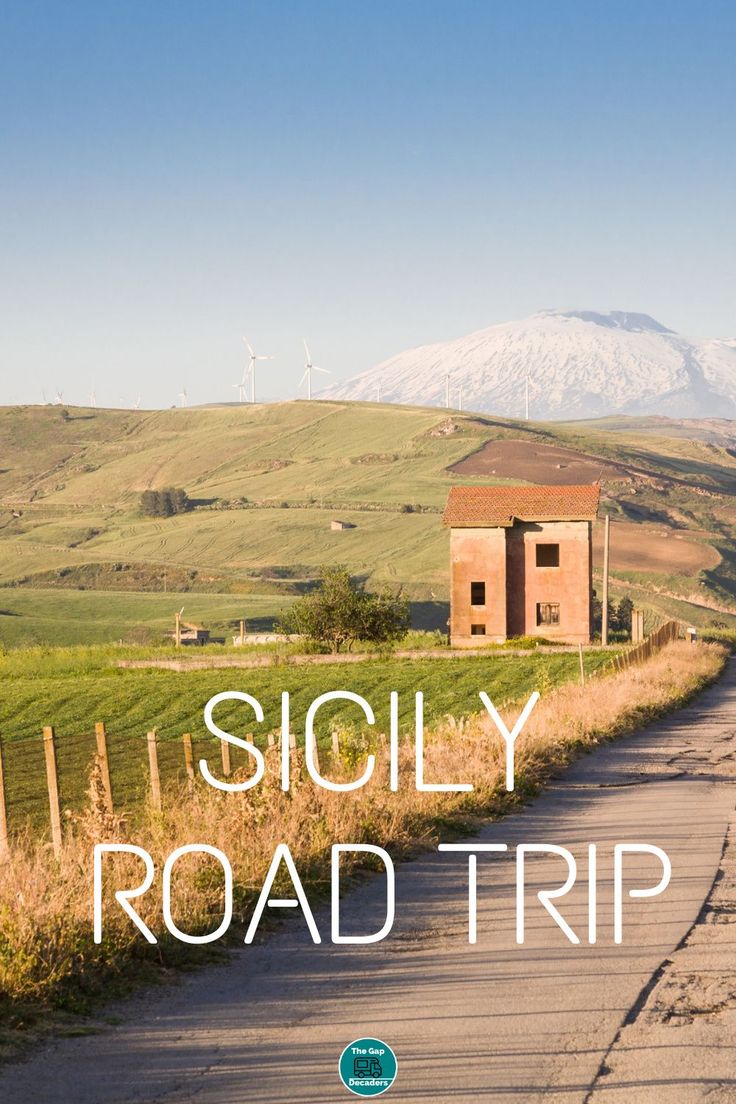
371,176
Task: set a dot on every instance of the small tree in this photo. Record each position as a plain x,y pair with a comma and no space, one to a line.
165,503
623,615
619,616
179,500
341,611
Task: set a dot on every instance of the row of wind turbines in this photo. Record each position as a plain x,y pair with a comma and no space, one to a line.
249,370
248,383
58,400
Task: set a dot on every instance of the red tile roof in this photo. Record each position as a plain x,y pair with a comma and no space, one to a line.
470,507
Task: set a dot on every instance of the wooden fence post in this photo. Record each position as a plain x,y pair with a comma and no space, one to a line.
4,843
52,779
271,740
226,765
153,764
335,744
101,737
189,757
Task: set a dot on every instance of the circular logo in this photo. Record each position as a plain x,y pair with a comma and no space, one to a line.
367,1067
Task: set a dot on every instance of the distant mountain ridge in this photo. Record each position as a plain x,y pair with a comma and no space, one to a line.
580,364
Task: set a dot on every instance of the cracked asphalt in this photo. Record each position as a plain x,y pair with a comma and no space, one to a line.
651,1020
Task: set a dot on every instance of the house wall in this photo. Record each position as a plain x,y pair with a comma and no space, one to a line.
477,555
505,559
568,585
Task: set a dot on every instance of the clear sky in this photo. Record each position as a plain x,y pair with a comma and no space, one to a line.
175,175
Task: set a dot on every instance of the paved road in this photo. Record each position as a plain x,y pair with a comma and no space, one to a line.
494,1021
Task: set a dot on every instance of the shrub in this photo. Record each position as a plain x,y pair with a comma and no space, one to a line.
341,611
619,616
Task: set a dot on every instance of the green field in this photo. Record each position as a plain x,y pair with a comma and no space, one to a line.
72,689
267,482
64,617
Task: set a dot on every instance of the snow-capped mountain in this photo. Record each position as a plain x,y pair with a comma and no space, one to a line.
580,364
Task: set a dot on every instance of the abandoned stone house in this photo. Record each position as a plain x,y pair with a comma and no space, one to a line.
520,562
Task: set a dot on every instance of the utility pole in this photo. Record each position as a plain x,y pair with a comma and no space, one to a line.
606,546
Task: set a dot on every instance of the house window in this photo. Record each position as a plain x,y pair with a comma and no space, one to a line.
548,613
477,630
548,555
477,594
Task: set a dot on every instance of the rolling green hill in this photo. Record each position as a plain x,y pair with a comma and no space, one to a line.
79,562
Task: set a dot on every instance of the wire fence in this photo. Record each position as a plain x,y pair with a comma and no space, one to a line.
45,779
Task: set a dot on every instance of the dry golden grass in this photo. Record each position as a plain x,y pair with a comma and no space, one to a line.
47,955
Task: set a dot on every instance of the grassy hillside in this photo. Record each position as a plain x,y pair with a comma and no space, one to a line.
268,480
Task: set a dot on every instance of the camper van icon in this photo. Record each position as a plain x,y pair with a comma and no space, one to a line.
367,1067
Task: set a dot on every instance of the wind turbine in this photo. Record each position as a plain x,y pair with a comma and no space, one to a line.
378,392
308,369
240,387
447,390
93,400
526,396
460,397
59,398
252,369
183,397
137,403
